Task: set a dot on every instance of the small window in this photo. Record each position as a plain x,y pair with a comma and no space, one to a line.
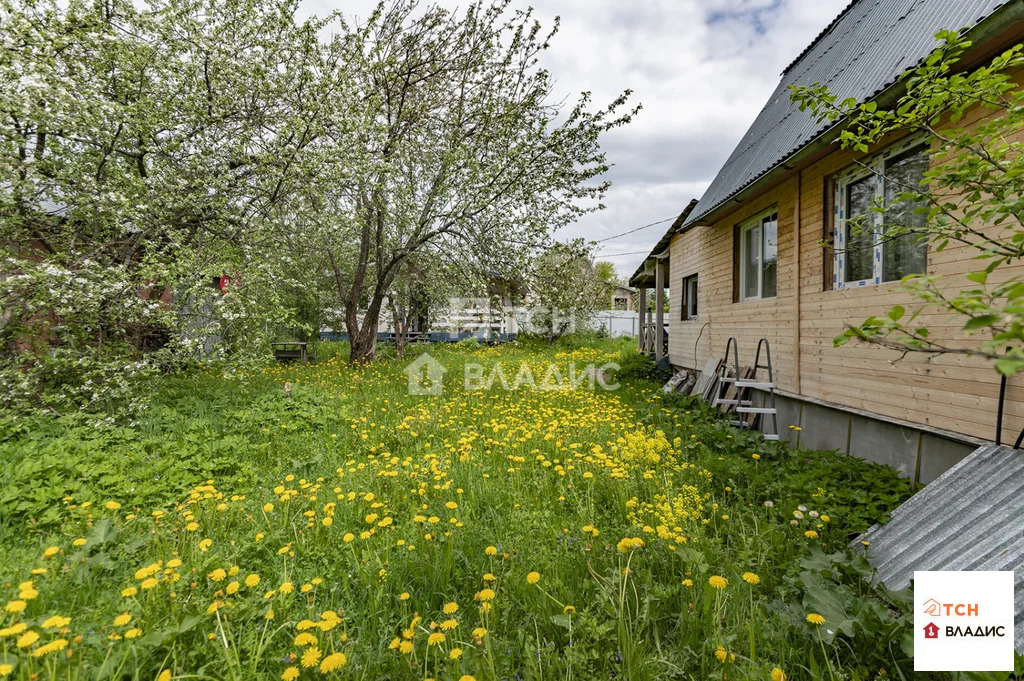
759,256
689,297
863,253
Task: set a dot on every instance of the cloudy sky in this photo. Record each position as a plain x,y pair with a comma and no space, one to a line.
702,70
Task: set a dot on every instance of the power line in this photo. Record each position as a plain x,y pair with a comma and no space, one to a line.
615,255
637,229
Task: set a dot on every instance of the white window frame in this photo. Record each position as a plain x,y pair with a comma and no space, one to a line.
685,315
873,165
745,226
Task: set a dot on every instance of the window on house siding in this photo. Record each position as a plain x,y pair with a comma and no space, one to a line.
689,297
864,254
759,256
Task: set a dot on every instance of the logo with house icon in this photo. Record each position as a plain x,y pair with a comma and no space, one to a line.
426,375
932,607
931,630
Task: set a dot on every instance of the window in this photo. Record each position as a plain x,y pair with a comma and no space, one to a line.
689,297
758,256
863,254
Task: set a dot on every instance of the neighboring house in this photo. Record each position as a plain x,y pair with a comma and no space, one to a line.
622,298
752,258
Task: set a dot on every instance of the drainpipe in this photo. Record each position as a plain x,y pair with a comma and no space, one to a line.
797,292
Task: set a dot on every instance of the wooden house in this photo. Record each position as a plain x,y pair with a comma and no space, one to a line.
752,259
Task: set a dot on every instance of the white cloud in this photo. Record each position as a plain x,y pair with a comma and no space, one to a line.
702,70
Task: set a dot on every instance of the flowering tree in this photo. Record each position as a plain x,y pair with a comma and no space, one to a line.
564,288
971,197
456,145
145,150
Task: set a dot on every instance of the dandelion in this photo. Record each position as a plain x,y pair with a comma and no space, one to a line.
569,610
6,669
129,592
149,583
533,577
467,677
56,622
252,580
27,639
718,582
287,588
450,608
306,639
165,675
232,588
479,633
311,657
721,654
122,619
112,505
16,606
435,639
687,582
455,653
778,674
449,624
333,662
491,551
205,545
218,575
811,534
751,578
133,633
79,542
51,552
348,537
268,507
486,595
404,596
290,674
815,619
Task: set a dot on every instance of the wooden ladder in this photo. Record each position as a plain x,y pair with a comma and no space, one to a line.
743,387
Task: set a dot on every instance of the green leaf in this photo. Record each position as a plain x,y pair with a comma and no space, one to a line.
1008,366
981,322
896,312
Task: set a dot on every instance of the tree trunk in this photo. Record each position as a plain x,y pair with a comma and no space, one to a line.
363,343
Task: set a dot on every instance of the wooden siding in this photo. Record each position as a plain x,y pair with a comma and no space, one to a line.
954,393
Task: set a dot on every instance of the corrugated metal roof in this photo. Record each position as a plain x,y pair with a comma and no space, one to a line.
860,54
968,519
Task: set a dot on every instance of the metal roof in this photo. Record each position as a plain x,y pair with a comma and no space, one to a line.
860,54
967,519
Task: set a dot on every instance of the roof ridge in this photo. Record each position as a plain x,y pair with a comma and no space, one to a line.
825,31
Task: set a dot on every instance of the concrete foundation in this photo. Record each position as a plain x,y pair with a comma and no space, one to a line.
920,453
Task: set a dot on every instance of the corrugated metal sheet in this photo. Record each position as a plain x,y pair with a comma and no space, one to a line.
970,518
860,54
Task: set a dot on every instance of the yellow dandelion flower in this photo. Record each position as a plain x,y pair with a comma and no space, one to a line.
165,675
404,596
16,606
129,592
811,534
79,542
232,588
112,505
569,610
751,578
449,624
252,580
6,669
122,619
306,639
778,674
479,633
450,608
815,619
27,639
718,581
435,639
290,674
133,633
455,653
51,552
533,577
491,551
287,588
218,575
56,622
311,657
149,583
333,662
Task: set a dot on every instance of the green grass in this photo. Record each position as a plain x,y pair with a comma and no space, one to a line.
380,507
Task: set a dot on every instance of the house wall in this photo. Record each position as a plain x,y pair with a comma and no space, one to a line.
953,394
